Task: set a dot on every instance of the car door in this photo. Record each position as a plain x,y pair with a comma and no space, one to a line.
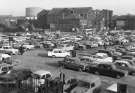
102,68
72,65
62,53
122,66
92,68
56,53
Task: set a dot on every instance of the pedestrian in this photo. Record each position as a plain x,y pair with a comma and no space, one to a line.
21,49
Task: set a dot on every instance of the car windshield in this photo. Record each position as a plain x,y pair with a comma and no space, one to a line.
131,63
7,47
83,84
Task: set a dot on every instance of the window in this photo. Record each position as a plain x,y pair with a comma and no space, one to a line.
48,75
56,51
124,65
43,77
92,85
102,66
5,47
4,69
60,51
109,67
83,84
118,64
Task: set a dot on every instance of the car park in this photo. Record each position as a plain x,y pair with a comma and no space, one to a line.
107,69
58,53
71,63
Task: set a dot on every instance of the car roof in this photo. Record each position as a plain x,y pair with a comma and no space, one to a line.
87,78
42,72
105,63
122,61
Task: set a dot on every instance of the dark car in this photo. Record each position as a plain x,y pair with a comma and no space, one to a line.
72,64
107,69
126,65
14,75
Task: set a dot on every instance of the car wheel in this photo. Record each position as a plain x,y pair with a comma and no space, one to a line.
118,76
67,56
97,73
53,56
80,70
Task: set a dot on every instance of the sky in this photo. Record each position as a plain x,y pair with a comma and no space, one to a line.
17,7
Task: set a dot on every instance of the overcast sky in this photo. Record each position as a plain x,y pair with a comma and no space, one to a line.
17,7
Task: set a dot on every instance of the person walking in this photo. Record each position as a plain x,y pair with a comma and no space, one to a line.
21,50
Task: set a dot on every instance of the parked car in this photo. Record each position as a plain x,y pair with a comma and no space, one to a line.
41,75
9,50
67,47
83,84
107,69
28,46
15,74
126,65
58,53
74,64
4,68
4,56
102,58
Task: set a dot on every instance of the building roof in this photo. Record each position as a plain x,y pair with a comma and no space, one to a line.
77,10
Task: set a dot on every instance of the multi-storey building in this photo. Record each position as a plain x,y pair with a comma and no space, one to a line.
68,19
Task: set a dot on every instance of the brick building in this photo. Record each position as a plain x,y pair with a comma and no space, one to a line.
65,19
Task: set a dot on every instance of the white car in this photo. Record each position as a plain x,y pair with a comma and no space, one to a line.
9,50
4,56
28,47
58,53
102,58
41,75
